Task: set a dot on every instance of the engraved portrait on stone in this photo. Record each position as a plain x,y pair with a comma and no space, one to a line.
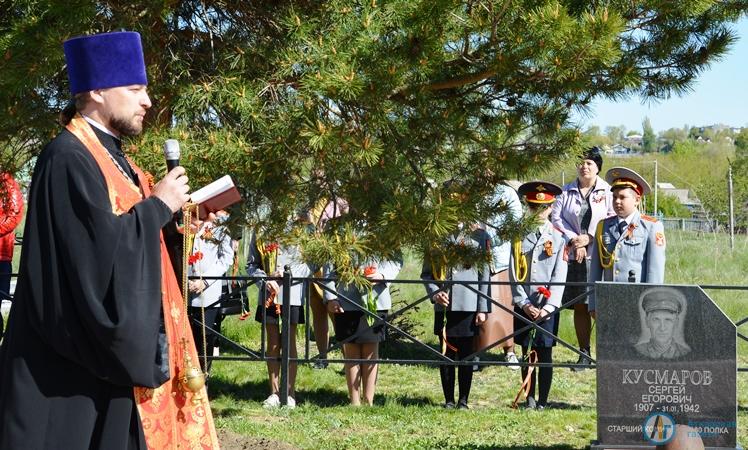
662,312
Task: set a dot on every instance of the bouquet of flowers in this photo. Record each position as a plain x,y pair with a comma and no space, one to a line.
371,303
269,258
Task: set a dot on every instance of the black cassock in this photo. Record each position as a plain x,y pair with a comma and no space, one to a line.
85,326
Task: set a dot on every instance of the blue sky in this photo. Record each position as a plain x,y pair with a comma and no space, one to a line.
719,95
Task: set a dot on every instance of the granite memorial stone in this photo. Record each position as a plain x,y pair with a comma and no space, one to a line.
666,356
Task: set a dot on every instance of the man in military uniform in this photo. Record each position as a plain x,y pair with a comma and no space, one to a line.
662,307
628,247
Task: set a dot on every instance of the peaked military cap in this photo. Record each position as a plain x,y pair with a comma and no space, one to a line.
539,192
663,299
621,177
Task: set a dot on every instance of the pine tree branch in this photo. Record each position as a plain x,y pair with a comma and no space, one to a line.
447,84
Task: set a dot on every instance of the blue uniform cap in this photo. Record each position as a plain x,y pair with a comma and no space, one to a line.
104,60
622,177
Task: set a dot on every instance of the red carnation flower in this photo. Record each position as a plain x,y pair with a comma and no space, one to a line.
195,257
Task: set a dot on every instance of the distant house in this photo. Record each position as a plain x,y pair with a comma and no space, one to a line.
619,149
633,139
683,196
701,140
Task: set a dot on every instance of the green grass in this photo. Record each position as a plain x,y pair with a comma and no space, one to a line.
407,412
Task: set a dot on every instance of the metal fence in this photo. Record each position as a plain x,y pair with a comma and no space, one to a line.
699,225
236,300
287,280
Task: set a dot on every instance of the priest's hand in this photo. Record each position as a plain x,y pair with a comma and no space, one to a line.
172,189
480,318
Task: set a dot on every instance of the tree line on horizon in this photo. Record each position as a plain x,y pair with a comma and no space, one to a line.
686,151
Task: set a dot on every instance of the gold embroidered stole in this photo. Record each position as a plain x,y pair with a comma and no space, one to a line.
169,417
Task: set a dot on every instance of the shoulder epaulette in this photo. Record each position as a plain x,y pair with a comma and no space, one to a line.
649,218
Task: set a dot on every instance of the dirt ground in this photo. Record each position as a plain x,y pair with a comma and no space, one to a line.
233,441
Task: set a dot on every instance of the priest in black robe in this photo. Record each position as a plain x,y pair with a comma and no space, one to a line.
87,324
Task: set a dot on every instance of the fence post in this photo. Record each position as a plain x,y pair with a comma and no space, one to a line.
285,334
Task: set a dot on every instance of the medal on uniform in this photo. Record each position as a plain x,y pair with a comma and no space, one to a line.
548,247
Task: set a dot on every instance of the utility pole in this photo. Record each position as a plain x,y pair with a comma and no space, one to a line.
654,213
730,200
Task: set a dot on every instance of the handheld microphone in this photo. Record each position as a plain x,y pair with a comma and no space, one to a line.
171,153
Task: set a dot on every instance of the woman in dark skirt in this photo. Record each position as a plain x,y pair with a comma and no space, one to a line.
266,259
536,260
576,212
354,327
458,313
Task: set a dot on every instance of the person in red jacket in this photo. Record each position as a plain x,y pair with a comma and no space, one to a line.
11,211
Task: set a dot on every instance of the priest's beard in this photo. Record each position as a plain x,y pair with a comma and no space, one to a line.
125,126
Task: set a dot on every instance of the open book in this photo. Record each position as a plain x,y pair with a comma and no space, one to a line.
216,196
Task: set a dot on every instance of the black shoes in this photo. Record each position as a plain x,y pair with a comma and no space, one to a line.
460,405
584,360
531,403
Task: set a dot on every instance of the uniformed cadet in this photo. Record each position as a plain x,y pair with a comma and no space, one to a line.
459,310
663,308
536,261
629,245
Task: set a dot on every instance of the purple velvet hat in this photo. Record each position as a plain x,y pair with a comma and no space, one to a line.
104,60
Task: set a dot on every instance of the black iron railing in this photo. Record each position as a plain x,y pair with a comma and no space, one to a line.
287,280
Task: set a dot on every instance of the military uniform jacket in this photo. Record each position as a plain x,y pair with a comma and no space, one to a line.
651,350
462,298
542,268
379,289
639,249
